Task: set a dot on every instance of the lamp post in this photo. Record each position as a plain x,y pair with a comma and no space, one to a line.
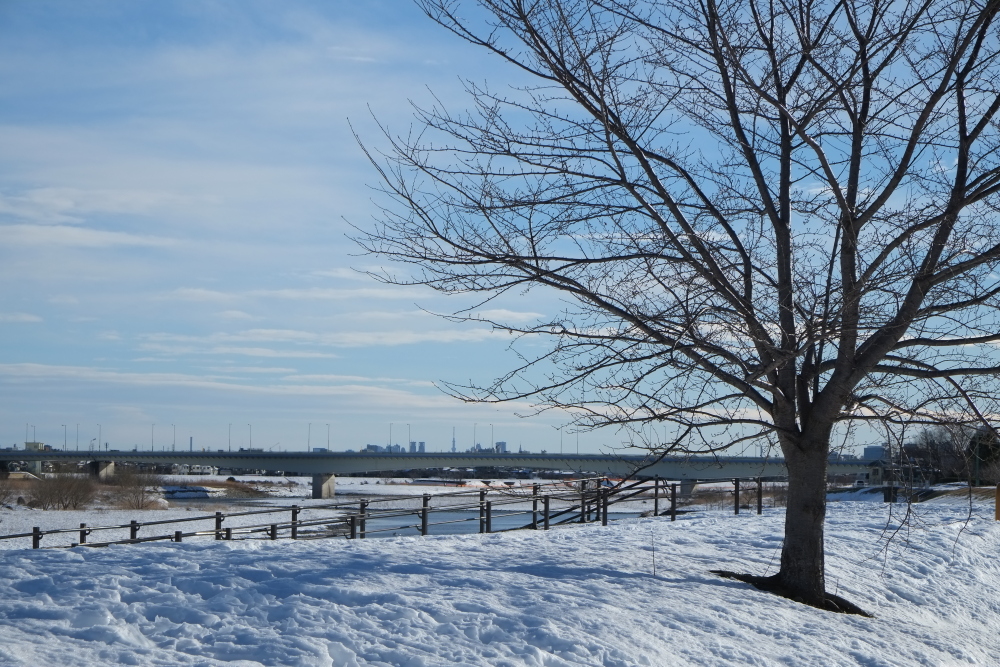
309,437
475,445
493,443
409,438
77,437
250,428
152,437
328,437
230,436
64,437
173,443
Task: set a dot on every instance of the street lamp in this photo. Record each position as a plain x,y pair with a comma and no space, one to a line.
409,438
328,437
230,436
475,445
251,436
64,437
152,437
173,443
493,442
77,437
309,437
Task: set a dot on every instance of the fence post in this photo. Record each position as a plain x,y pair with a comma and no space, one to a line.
583,502
534,506
673,502
133,529
604,507
229,533
489,516
362,514
996,505
423,514
36,537
656,496
295,522
736,495
178,536
545,509
83,533
760,495
482,511
274,531
354,526
218,525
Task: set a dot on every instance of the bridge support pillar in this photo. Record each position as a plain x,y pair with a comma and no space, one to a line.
323,485
102,470
687,488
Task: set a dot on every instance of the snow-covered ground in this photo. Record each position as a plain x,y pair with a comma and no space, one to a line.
579,595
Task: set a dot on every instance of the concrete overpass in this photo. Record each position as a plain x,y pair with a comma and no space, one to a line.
323,466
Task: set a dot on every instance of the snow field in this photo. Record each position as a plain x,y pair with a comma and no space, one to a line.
580,595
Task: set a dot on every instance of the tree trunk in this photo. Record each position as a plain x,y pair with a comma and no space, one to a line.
802,559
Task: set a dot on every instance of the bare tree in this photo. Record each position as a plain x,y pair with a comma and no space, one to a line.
63,491
770,221
135,489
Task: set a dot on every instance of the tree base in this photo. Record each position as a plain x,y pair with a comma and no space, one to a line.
833,603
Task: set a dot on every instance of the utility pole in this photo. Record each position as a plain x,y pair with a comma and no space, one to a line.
64,437
230,436
77,437
309,436
327,437
250,428
152,437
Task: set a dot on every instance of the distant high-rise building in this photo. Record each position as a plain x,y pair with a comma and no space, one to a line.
453,440
413,446
873,453
420,447
501,447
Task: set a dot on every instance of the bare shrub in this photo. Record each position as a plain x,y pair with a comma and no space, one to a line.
135,489
6,488
63,492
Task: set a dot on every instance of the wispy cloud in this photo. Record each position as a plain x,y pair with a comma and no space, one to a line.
19,318
64,235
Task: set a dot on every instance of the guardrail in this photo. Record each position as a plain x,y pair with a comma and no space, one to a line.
571,501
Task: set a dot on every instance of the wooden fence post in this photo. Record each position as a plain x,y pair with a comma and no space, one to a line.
656,496
545,509
354,526
295,522
423,514
178,536
36,537
482,511
489,516
229,533
534,506
274,531
363,513
760,495
218,525
83,533
604,507
673,502
133,529
736,495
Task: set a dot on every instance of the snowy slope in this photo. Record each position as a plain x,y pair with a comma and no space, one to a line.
581,595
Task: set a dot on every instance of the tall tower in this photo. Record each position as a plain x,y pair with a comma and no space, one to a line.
453,450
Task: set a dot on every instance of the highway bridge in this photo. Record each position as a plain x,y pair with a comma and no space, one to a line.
323,466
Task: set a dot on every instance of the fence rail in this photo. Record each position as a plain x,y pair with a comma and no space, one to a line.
584,500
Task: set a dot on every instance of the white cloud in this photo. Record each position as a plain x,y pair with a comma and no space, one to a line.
19,318
236,315
63,235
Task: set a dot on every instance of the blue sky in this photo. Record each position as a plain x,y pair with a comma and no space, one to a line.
176,184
